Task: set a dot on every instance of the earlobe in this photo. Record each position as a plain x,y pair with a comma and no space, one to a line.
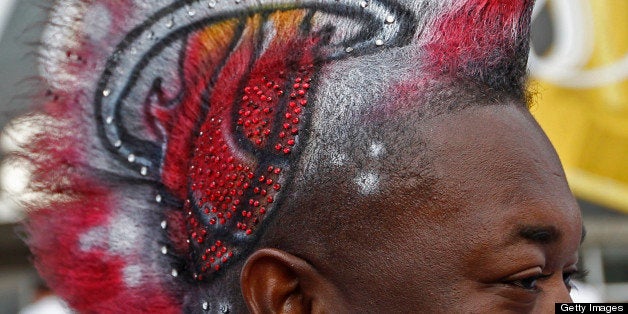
273,281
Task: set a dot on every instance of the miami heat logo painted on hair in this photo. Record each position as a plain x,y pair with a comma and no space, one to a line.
221,143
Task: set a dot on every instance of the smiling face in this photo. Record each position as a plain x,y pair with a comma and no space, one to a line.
500,231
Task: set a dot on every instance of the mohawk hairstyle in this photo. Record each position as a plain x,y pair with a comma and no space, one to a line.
177,132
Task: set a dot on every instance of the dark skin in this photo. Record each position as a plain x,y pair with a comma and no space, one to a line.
500,233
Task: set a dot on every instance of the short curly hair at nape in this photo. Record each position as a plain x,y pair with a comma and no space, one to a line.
178,135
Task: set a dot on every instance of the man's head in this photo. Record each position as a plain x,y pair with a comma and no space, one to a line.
325,156
497,215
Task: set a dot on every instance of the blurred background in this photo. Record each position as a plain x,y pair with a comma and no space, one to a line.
579,74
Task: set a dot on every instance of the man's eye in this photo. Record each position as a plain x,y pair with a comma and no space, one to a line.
569,276
528,283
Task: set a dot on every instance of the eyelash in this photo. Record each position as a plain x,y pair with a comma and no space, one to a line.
576,274
529,283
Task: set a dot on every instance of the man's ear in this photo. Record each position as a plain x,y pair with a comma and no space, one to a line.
274,281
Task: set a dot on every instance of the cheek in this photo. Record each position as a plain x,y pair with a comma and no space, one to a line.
476,300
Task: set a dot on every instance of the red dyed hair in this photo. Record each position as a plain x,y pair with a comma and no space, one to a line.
172,134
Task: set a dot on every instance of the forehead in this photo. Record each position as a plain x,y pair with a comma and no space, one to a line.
495,164
494,173
499,150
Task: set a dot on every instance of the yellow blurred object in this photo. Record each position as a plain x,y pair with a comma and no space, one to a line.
589,126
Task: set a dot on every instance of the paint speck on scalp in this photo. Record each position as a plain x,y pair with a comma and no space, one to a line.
368,182
377,149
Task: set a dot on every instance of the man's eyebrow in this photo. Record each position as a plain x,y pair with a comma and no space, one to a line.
538,233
